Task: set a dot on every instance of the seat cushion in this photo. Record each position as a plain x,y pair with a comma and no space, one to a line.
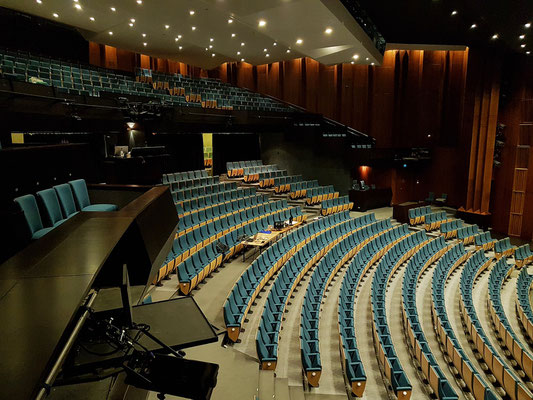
101,207
40,233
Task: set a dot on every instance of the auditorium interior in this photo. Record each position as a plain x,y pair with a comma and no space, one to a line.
258,200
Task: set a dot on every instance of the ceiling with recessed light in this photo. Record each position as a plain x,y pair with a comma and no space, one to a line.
207,33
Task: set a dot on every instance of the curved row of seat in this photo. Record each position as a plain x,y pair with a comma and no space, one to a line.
283,183
254,278
386,352
503,248
192,183
467,233
299,189
484,241
499,273
508,380
202,202
417,215
194,269
523,255
319,194
473,381
416,266
192,193
261,172
360,264
336,205
236,168
183,176
290,275
434,220
202,217
523,305
324,272
449,229
266,179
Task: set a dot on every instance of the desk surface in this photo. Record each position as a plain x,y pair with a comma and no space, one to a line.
263,239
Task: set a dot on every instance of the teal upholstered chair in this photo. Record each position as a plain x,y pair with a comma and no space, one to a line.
68,205
79,188
28,205
51,206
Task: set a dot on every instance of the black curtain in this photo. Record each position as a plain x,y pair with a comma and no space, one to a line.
186,150
234,147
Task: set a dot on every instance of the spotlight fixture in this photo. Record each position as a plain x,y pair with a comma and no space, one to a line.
212,55
92,19
180,47
473,26
371,63
242,59
131,24
145,44
355,56
522,37
230,21
139,1
113,9
262,23
328,31
193,28
528,25
132,20
495,36
191,12
238,53
167,26
77,6
110,33
179,36
56,15
265,50
522,45
454,12
206,49
367,59
352,62
176,39
211,39
267,55
288,50
299,41
528,52
144,34
210,46
242,44
232,35
39,1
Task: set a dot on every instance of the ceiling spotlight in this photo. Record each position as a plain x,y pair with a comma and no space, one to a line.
352,62
110,33
288,50
367,59
230,21
212,55
206,49
167,26
355,56
191,12
139,1
528,25
262,22
179,36
328,31
267,55
242,44
193,28
145,44
75,1
495,36
522,37
132,20
232,35
274,44
92,19
211,39
130,24
265,50
371,63
39,1
180,47
522,45
242,59
454,12
528,52
176,39
238,53
299,41
113,9
77,6
56,15
210,46
144,34
473,26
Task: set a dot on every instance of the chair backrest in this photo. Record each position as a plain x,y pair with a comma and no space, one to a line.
79,188
51,205
66,199
32,216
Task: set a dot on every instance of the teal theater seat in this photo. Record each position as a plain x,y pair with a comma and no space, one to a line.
51,206
79,188
28,205
64,193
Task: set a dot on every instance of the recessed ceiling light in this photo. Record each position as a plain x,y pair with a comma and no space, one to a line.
355,56
288,50
495,36
206,49
265,50
144,34
299,41
454,12
528,25
274,44
473,26
230,21
56,15
77,6
167,26
180,47
367,59
242,44
210,46
75,1
145,44
371,63
92,19
528,52
110,33
179,36
352,62
212,55
238,53
176,39
262,22
39,1
132,20
328,31
211,39
522,37
232,35
131,24
193,28
267,55
191,12
523,45
113,9
242,59
139,1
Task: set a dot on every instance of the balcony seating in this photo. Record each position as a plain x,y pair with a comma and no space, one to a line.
265,266
28,205
192,193
193,183
79,188
417,215
473,382
523,305
183,176
503,248
418,344
236,168
449,229
505,376
393,258
203,202
434,220
467,234
318,194
484,241
523,256
519,351
299,189
338,204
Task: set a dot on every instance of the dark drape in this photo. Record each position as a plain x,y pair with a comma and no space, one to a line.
234,147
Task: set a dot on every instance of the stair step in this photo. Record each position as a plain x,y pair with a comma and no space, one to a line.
281,389
296,393
266,385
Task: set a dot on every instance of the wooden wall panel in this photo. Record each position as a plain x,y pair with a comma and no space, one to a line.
111,57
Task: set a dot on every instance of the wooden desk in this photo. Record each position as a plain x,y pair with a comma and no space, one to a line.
262,239
400,212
